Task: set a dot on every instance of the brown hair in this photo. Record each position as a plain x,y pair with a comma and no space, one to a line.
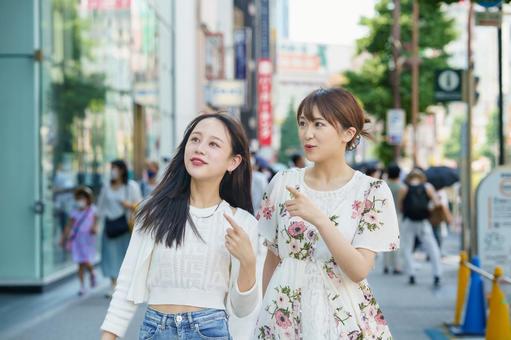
86,193
337,106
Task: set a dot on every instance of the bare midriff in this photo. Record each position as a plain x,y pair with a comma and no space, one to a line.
173,309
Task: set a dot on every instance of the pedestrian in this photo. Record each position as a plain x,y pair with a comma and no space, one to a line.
391,259
116,203
259,182
297,161
373,171
441,217
191,257
151,178
80,235
415,200
323,227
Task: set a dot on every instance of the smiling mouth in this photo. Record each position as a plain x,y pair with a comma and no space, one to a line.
197,161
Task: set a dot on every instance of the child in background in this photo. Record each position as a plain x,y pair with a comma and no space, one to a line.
80,235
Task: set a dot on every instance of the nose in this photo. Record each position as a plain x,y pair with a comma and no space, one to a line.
200,149
308,134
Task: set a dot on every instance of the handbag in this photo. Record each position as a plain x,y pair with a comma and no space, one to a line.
118,226
438,215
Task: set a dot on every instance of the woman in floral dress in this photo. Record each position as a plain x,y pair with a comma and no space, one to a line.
323,227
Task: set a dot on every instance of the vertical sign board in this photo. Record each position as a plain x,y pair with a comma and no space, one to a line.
240,53
395,126
264,109
493,201
264,15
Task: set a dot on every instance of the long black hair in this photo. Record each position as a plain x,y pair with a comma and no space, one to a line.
121,165
166,211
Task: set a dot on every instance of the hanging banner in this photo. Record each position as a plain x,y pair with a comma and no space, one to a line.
395,126
264,105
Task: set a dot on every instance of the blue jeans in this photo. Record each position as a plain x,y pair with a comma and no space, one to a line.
204,324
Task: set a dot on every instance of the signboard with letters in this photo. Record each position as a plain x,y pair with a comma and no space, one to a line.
264,104
226,93
493,203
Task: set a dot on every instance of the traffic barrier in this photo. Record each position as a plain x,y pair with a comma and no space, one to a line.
461,292
499,326
475,314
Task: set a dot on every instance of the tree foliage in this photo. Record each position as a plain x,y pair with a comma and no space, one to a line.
289,140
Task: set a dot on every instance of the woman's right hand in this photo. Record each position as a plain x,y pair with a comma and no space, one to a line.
108,336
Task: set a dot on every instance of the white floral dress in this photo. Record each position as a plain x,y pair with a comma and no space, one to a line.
308,296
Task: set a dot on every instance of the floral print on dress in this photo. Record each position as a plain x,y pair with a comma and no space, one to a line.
285,315
300,239
334,306
369,210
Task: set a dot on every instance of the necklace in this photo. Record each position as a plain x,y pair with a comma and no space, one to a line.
208,216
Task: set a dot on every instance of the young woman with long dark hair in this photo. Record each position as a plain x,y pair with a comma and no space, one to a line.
323,226
191,256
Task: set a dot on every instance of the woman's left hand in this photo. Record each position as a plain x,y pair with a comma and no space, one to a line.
238,243
302,206
126,205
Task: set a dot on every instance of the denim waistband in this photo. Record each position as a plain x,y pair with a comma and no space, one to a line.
181,319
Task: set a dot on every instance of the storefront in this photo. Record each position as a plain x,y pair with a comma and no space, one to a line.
83,83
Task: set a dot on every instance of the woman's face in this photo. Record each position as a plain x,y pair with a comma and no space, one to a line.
208,151
322,140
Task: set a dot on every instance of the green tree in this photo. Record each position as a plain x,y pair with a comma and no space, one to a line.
490,148
452,147
372,84
73,91
289,140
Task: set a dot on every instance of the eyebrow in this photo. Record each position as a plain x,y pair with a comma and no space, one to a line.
212,137
313,120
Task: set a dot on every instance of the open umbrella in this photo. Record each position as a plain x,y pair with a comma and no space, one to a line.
442,176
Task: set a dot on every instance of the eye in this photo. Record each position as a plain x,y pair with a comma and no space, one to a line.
301,123
213,144
194,139
319,124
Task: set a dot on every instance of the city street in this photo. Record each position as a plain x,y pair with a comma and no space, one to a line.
60,314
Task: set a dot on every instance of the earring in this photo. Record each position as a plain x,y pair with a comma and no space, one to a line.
355,142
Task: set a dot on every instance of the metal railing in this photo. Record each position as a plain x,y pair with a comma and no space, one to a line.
485,274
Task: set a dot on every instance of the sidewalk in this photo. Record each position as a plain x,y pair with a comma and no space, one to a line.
61,314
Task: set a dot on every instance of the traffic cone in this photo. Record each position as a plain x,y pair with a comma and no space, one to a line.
499,326
475,313
461,292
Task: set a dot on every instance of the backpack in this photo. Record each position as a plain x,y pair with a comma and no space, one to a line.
416,203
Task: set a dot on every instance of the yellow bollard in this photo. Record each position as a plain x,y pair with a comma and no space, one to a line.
463,279
499,325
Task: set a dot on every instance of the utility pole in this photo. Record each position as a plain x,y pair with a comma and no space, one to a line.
469,237
415,75
396,74
502,155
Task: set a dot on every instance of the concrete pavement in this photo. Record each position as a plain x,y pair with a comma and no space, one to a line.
60,314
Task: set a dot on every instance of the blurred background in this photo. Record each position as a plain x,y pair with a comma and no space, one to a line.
84,82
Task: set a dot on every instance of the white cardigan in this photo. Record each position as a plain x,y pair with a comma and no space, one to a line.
132,289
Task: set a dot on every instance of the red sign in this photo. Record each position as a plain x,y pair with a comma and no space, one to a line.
108,4
264,109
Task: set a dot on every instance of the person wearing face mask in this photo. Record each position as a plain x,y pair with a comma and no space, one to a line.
80,235
116,203
149,183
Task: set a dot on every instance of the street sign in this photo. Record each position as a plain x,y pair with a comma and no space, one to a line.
493,19
395,126
448,85
489,3
225,93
